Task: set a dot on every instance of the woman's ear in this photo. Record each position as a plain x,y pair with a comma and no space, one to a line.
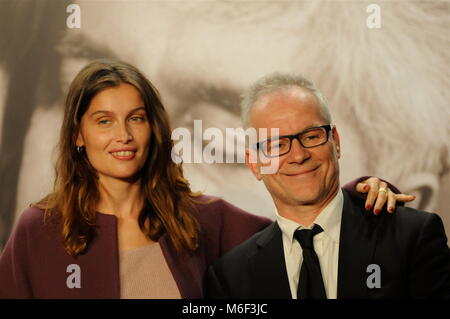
80,140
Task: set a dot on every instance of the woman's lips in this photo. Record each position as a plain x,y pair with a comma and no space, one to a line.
124,155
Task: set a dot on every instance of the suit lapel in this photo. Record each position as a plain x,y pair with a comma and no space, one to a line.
267,266
356,249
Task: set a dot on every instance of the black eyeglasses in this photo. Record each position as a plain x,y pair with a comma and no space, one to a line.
280,145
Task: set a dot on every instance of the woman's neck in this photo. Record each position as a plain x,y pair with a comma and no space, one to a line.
121,198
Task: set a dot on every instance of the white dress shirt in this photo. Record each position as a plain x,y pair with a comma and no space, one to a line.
326,246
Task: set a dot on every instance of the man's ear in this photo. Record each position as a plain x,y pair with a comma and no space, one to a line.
337,141
252,162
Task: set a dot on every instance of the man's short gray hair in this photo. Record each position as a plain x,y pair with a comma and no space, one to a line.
275,82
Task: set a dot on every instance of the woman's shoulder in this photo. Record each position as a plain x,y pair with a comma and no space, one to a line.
226,225
32,222
208,204
213,207
27,229
31,217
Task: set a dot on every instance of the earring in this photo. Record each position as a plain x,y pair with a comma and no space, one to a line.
80,149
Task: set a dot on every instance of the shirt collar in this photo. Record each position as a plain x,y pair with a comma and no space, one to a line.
329,219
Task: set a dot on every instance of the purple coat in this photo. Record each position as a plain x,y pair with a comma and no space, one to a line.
34,262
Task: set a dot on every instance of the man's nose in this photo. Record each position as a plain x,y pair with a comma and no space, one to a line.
298,154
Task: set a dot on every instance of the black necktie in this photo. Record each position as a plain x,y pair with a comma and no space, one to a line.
310,285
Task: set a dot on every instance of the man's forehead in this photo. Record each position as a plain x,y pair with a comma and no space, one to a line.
285,102
293,93
289,111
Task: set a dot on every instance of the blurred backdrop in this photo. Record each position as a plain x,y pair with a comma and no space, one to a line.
387,87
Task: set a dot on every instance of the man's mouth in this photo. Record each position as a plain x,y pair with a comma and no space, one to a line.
301,173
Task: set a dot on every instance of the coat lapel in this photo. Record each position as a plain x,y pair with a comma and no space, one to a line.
187,269
267,267
356,249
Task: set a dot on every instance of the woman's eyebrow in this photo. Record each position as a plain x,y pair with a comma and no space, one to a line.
100,112
139,108
110,112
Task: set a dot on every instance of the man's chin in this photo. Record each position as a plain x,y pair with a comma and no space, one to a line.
306,199
307,202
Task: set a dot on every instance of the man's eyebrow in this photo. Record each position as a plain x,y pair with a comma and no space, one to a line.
289,135
221,95
109,112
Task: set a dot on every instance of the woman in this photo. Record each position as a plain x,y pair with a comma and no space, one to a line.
122,221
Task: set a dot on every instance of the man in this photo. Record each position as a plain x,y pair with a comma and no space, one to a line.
350,254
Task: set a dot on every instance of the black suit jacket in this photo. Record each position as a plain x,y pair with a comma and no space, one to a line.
409,246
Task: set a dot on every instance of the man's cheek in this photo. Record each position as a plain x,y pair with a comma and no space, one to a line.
271,167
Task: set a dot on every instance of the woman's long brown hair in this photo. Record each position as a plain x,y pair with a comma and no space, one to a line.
168,200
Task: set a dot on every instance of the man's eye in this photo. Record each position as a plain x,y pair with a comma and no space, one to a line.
277,144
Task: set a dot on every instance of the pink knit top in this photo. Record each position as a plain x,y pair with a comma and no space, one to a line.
144,273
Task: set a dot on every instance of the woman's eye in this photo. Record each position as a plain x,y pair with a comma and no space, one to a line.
137,119
103,122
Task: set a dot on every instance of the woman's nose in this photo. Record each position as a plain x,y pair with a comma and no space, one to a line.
124,135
